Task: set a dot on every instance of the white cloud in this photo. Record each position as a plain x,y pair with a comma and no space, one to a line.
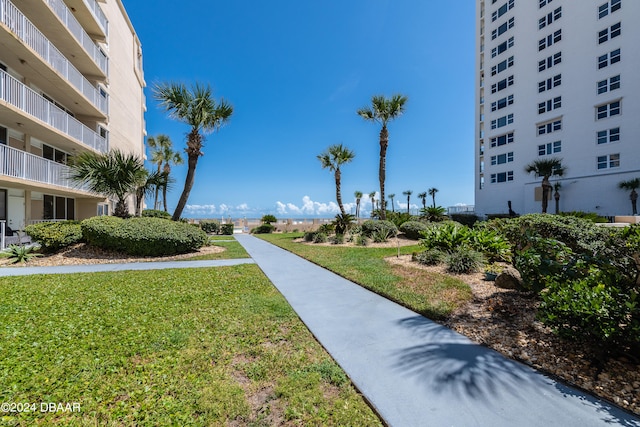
308,207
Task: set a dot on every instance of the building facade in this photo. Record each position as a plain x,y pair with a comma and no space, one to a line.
557,78
71,81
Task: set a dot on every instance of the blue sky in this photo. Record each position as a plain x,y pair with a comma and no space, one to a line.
296,72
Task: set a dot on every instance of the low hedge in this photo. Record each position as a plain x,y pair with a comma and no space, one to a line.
226,229
142,236
155,213
53,236
413,229
263,229
373,227
210,226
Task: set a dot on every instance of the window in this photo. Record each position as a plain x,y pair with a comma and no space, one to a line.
550,104
609,7
502,103
502,121
552,60
550,148
502,84
608,110
502,158
502,10
56,207
502,28
501,177
608,136
502,140
507,63
548,127
609,58
609,33
551,16
607,85
550,83
550,40
502,47
609,161
54,154
3,135
543,3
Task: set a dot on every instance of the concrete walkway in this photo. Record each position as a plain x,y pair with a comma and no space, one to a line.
415,372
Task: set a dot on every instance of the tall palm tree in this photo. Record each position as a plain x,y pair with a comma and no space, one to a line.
372,196
546,168
556,195
382,111
632,185
358,196
408,193
114,174
432,192
196,107
334,157
162,152
391,196
423,196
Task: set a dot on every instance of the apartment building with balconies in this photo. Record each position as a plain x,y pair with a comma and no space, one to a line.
557,78
71,80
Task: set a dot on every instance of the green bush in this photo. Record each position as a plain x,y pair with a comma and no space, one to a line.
591,216
399,218
361,240
309,236
268,219
53,236
142,236
320,238
447,237
464,260
155,213
226,229
210,226
343,223
413,229
263,229
19,253
379,228
338,239
467,219
326,229
431,257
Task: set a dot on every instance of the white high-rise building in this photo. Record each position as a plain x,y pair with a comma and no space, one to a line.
557,78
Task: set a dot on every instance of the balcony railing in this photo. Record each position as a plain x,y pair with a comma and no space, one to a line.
26,99
22,165
11,16
98,14
80,34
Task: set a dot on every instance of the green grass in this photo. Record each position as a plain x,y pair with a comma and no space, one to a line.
233,250
431,294
188,347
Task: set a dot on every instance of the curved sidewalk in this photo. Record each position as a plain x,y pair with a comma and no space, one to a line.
415,372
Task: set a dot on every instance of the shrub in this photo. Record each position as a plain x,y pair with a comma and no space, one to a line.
464,260
434,214
380,227
320,238
361,240
210,226
413,229
447,237
399,218
142,236
263,229
430,257
338,239
20,253
467,219
155,213
53,236
226,229
268,219
326,229
590,216
342,223
309,236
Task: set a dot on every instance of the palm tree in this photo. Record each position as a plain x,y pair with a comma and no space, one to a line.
556,195
408,193
423,196
432,192
382,111
391,196
372,196
546,168
113,174
162,152
149,182
358,195
633,185
196,107
334,157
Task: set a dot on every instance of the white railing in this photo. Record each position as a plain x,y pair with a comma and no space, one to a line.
22,165
11,16
98,14
26,99
70,21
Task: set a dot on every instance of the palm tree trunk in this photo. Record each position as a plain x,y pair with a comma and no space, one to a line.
546,190
384,143
164,196
338,193
155,202
192,161
634,201
408,205
434,199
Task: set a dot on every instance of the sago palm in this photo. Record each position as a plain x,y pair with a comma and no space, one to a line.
197,108
631,185
382,111
546,168
114,174
334,157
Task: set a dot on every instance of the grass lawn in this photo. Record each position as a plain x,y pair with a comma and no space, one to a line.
211,346
233,249
431,294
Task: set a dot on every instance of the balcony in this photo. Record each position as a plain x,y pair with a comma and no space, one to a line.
29,167
57,22
28,34
91,16
32,106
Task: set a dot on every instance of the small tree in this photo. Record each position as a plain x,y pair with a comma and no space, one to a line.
268,219
546,168
631,185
